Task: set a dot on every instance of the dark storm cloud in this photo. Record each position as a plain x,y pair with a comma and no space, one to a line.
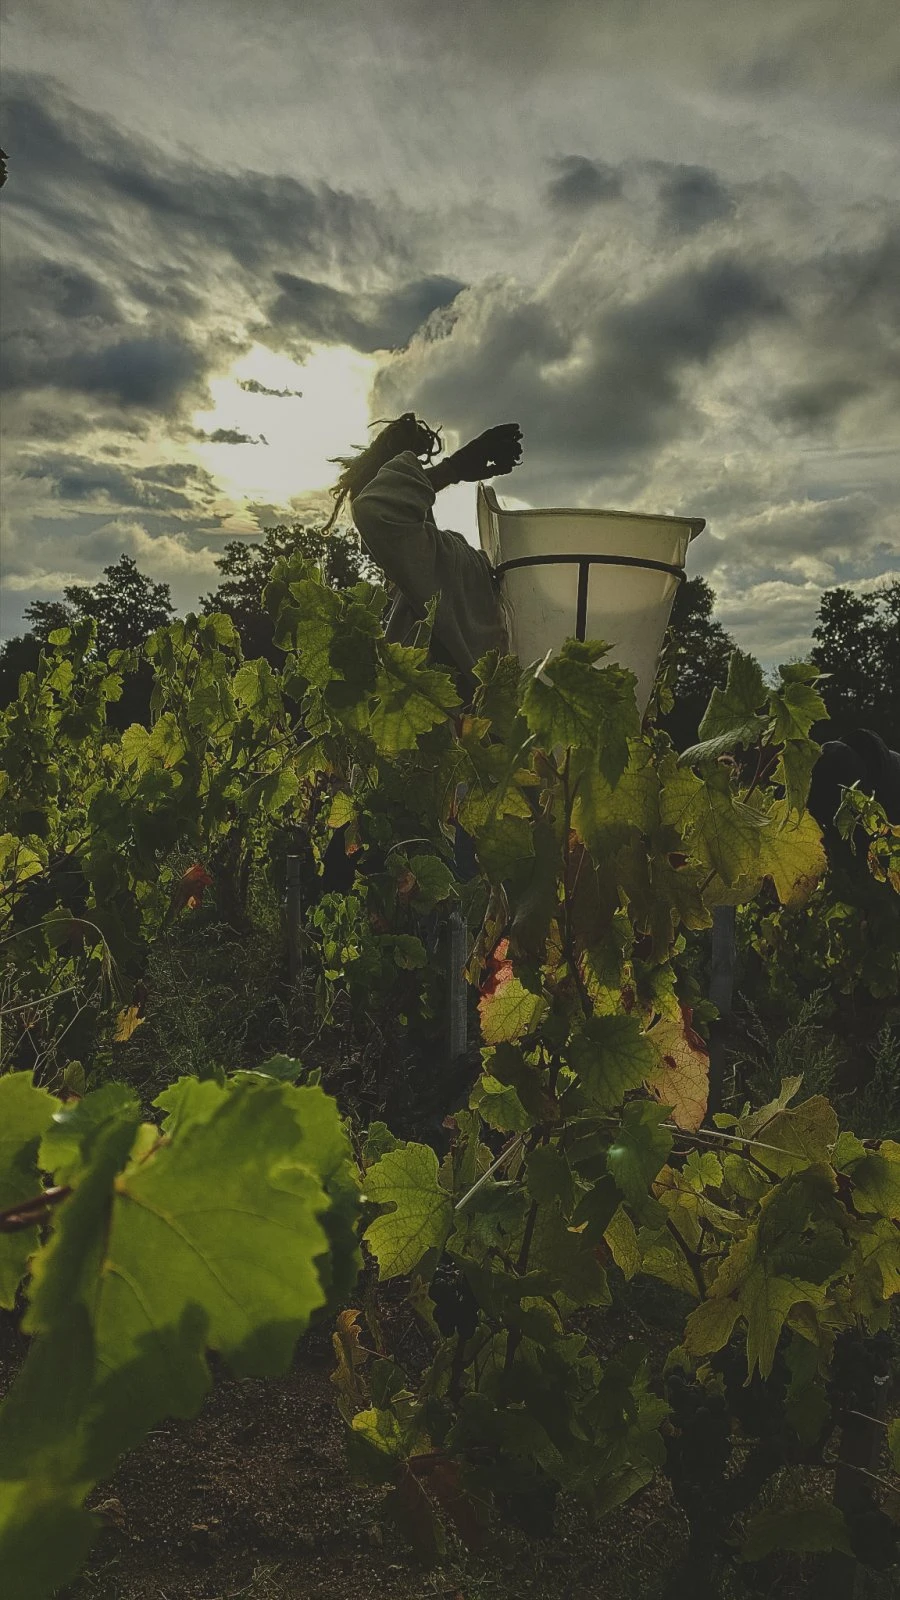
623,391
154,372
366,322
52,326
810,406
72,164
630,394
253,386
80,480
228,436
690,197
848,313
583,183
61,290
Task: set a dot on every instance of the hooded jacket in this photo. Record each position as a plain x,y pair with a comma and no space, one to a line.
420,560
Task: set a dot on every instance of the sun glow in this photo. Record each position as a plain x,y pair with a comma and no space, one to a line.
326,414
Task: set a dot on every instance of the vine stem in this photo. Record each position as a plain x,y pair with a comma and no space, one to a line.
505,1155
729,1138
852,1467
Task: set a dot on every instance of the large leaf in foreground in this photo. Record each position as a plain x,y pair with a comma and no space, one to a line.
24,1114
208,1236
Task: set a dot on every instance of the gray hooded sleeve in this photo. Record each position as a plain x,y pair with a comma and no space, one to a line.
422,560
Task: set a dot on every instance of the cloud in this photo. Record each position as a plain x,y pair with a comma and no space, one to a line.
365,322
228,436
580,381
73,164
583,182
691,197
81,481
253,387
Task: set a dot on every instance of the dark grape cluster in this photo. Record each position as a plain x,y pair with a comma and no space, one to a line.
873,1537
455,1306
758,1406
699,1448
861,1363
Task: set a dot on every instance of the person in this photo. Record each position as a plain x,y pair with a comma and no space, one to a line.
391,494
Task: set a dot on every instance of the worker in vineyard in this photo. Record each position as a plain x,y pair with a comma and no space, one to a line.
391,494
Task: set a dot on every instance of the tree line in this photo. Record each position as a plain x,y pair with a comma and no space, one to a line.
857,636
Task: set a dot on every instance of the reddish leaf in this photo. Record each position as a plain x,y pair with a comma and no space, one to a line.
188,891
499,970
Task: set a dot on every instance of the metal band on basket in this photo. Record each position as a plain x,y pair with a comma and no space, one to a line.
583,563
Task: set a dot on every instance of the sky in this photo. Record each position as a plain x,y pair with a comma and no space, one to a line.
661,235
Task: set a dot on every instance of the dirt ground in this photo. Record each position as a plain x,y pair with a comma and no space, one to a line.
252,1500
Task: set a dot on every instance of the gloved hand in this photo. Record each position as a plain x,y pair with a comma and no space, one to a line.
494,453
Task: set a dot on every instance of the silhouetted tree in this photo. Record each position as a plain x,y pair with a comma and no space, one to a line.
246,568
858,645
698,648
126,606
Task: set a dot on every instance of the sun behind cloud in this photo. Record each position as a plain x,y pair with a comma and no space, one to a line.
325,412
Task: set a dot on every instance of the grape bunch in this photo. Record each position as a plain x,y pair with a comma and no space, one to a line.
699,1448
859,1367
455,1306
758,1406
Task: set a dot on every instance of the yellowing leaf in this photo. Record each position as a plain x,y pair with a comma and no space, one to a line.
681,1078
792,854
128,1021
510,1010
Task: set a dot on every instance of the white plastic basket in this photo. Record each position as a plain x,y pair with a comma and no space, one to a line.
609,575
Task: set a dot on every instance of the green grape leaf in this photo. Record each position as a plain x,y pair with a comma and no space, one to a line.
25,1112
611,1055
806,1133
606,816
255,687
503,843
593,710
315,621
893,1436
499,1105
497,698
434,882
794,709
743,695
548,1177
410,698
67,1143
785,1260
638,1151
211,1237
876,1181
408,952
421,1214
806,1529
568,1259
621,1236
717,827
795,769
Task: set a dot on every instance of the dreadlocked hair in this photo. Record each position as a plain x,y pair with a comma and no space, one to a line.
402,433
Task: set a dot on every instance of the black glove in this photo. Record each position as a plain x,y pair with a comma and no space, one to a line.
491,455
